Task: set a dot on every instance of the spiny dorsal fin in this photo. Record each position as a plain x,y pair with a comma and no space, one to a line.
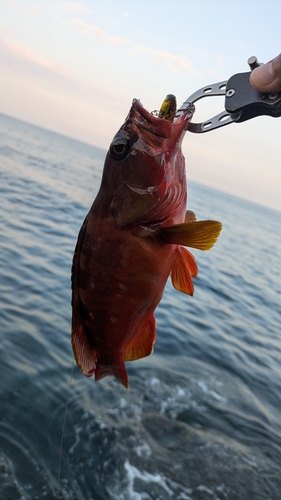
183,270
190,216
202,234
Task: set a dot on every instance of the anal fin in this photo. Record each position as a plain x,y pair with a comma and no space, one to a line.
142,342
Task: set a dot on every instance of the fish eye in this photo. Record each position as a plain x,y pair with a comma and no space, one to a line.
119,148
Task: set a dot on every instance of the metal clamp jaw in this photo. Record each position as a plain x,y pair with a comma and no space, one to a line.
242,101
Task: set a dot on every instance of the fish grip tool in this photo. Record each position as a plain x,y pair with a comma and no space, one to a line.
242,101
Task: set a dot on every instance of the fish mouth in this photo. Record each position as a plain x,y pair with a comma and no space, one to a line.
157,126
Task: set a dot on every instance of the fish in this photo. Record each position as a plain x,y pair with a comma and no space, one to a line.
132,240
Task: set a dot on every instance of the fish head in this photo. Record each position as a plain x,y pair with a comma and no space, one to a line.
144,173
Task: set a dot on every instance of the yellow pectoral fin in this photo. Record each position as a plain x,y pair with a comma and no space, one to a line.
202,234
183,270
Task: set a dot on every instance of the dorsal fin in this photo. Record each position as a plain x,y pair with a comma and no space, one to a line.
183,270
84,353
190,216
199,234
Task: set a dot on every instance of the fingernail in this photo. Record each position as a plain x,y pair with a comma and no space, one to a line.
263,75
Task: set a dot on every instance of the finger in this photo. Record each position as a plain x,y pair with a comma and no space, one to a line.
267,78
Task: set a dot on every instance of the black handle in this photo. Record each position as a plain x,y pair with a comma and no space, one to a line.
242,98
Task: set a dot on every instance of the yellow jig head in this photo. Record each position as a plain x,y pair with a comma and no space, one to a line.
168,108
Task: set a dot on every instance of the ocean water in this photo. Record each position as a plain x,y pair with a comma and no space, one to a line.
202,417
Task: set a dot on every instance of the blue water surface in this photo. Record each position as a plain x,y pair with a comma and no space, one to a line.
202,417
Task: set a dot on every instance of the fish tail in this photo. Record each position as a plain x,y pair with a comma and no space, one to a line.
118,371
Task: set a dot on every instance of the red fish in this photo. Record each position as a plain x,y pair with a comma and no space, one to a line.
131,241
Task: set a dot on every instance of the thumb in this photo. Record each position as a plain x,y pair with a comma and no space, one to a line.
267,78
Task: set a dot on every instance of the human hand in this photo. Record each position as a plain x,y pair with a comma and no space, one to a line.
267,78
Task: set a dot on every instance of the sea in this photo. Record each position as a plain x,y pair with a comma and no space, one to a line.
202,417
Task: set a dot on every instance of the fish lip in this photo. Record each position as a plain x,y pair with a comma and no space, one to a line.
145,120
159,126
187,113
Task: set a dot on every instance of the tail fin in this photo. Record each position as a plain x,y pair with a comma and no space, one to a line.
118,371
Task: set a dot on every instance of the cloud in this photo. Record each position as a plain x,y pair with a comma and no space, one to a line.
21,59
98,33
207,57
172,61
11,3
70,8
44,74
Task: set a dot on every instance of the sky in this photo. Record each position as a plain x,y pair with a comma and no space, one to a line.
74,68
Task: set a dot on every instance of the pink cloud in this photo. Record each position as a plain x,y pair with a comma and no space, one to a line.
173,61
72,7
98,33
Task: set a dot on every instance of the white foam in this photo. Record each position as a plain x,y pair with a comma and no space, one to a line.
183,496
208,490
221,488
143,450
77,431
129,411
181,392
249,462
210,392
154,381
133,473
